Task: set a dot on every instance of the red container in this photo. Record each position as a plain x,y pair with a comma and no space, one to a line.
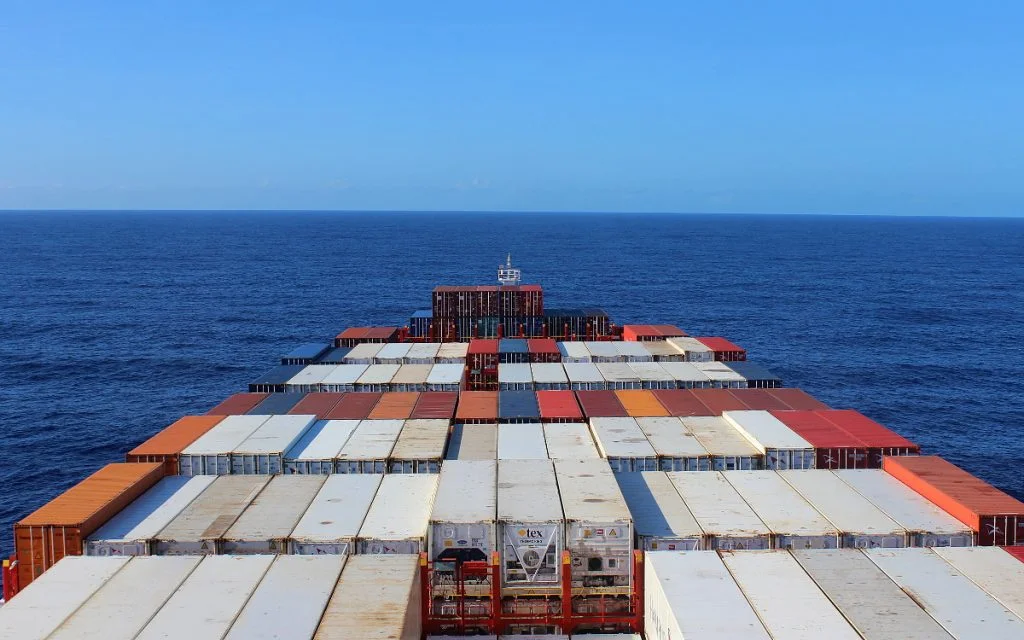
381,334
669,331
435,404
1016,552
834,448
719,400
477,407
798,399
640,332
482,359
317,404
354,406
601,404
759,399
879,440
350,337
559,406
237,404
681,403
543,350
996,517
725,351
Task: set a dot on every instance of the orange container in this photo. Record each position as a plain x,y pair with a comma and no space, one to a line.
60,527
395,405
237,404
166,445
640,403
477,407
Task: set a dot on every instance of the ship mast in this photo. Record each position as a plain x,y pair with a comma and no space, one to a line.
507,274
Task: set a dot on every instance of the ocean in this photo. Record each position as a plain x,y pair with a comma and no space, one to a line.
113,325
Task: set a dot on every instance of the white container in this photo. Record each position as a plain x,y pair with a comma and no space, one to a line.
411,377
651,374
317,449
50,599
574,351
785,598
521,442
598,526
445,377
131,531
619,375
873,604
927,525
687,375
362,353
630,351
124,605
603,352
530,525
793,522
267,523
420,446
693,349
369,447
377,378
584,376
728,449
661,519
377,598
208,601
781,446
722,377
332,521
398,518
722,513
860,523
623,444
290,600
677,449
569,441
463,523
549,376
515,377
309,378
690,594
343,378
392,353
200,525
662,351
263,451
994,570
473,442
452,352
959,605
422,353
210,454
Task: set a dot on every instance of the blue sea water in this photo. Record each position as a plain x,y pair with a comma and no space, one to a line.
112,325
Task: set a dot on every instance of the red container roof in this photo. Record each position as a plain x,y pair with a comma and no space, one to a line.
716,343
719,400
542,345
237,404
380,333
864,428
821,433
483,345
669,331
601,404
318,404
798,399
354,406
353,333
681,403
1016,552
435,404
477,405
759,399
558,405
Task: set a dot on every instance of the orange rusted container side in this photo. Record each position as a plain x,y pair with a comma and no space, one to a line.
395,405
640,403
166,445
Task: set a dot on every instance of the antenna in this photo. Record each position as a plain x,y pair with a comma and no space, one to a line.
507,274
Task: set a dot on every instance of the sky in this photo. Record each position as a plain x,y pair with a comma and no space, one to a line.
872,107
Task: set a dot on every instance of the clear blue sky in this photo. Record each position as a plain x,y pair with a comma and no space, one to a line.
763,106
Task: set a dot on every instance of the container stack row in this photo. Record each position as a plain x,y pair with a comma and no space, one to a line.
634,375
343,406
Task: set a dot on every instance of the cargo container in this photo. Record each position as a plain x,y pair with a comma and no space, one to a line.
518,407
305,353
446,377
721,376
453,352
569,441
210,599
548,376
759,399
618,375
724,516
354,406
482,355
166,445
584,376
309,378
690,594
999,574
530,525
132,530
276,404
723,350
363,353
861,524
1016,552
210,454
342,378
463,523
574,352
317,404
598,526
757,377
267,523
393,353
661,519
686,375
60,527
125,603
798,399
237,404
640,403
600,404
290,599
334,356
263,451
543,350
603,352
377,597
473,442
369,447
515,377
477,407
411,377
420,447
377,378
693,350
351,337
632,352
395,405
200,526
879,440
729,450
523,441
662,351
398,518
996,517
781,446
718,401
651,374
434,405
833,447
559,406
623,444
275,379
333,519
926,524
316,451
421,324
959,605
638,332
513,350
677,449
682,403
422,353
785,598
794,523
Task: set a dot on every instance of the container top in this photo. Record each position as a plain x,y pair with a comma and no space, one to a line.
778,505
620,438
311,374
334,356
482,346
656,507
617,372
372,440
528,492
760,399
649,371
317,403
337,511
82,503
640,403
600,404
181,433
364,351
798,399
412,374
589,492
765,431
401,508
354,406
309,350
908,508
280,374
446,373
631,349
322,441
423,350
818,431
210,515
423,313
394,405
379,374
719,437
238,403
345,374
685,372
661,348
276,435
602,349
453,350
569,441
473,442
393,351
585,372
719,371
542,345
687,344
277,403
752,370
717,343
518,405
716,505
848,510
374,600
866,429
521,442
949,479
512,345
558,405
681,402
149,513
572,349
549,373
997,572
467,492
515,373
435,404
670,438
421,440
277,509
477,405
353,333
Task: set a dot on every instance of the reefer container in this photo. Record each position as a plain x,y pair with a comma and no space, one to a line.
377,598
996,517
477,407
690,594
998,573
785,598
640,403
342,378
166,445
206,604
693,349
420,447
677,449
530,525
210,454
794,523
278,403
363,353
724,516
332,521
518,407
584,376
515,377
263,451
880,441
131,531
834,448
559,406
729,450
435,405
290,600
317,404
354,406
721,376
411,377
473,442
369,447
651,374
398,518
422,353
757,377
317,449
521,442
306,353
237,404
548,376
926,524
445,377
377,378
624,444
682,403
781,446
724,350
619,375
598,527
569,441
200,525
661,519
393,353
453,352
394,406
463,521
482,356
309,378
574,352
60,527
632,352
543,350
267,523
662,351
798,399
275,379
860,523
686,375
603,352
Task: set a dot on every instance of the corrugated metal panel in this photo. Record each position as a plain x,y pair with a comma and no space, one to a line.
518,406
317,404
781,446
574,351
279,403
354,406
569,441
369,447
640,403
759,399
652,375
694,350
463,521
308,351
393,353
515,376
319,446
793,521
682,403
528,491
589,492
334,356
204,521
600,404
435,405
363,353
721,511
583,375
603,352
521,442
661,349
660,517
414,375
624,444
721,375
754,372
394,405
397,519
719,400
420,447
798,399
559,406
332,521
279,375
550,374
530,524
422,353
632,351
998,573
377,598
237,404
267,522
619,375
263,451
310,377
343,377
477,406
379,375
452,352
729,450
473,442
210,453
677,449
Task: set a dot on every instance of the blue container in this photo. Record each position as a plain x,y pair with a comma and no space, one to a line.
305,353
756,375
274,379
276,404
518,406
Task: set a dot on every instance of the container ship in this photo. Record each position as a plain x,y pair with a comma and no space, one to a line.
497,468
